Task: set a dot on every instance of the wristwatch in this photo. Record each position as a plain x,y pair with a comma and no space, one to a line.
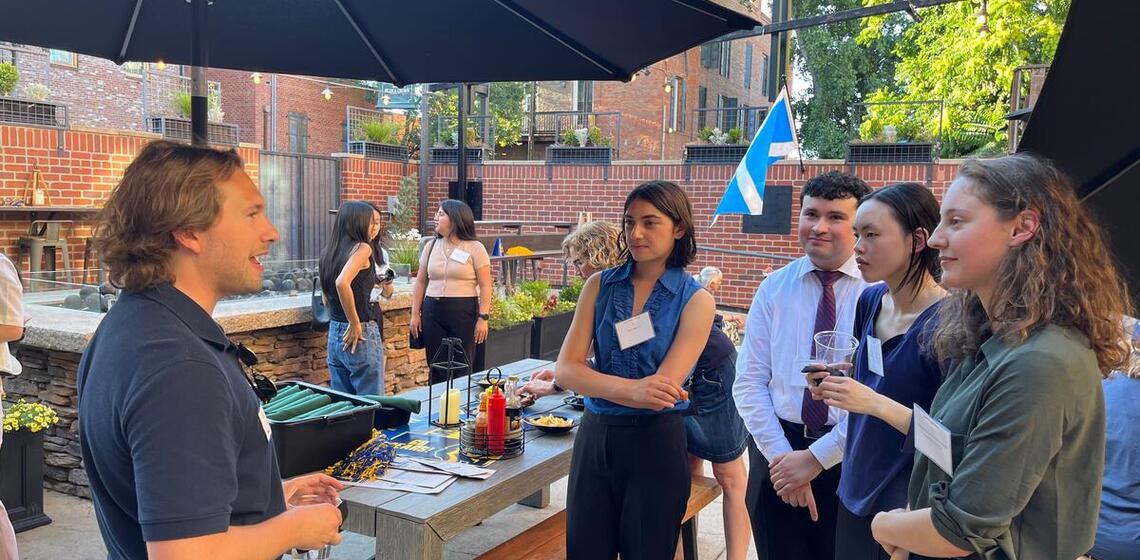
485,316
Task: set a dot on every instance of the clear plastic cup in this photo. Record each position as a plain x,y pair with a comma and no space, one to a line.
835,349
322,553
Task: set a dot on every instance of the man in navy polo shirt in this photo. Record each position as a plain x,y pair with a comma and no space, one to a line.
175,444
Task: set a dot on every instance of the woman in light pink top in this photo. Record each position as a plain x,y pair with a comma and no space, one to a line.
453,287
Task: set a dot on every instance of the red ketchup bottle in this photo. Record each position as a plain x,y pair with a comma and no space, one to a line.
496,421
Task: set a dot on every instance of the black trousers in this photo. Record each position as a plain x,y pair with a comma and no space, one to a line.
853,540
782,531
449,317
628,489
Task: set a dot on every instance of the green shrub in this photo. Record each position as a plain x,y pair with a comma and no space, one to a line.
380,132
537,289
571,292
569,138
735,135
705,134
8,77
596,138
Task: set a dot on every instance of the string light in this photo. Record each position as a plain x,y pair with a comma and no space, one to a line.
256,77
160,65
327,93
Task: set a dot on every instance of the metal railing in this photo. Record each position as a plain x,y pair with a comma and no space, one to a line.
608,125
903,132
179,129
480,131
27,112
544,123
1026,86
738,252
747,119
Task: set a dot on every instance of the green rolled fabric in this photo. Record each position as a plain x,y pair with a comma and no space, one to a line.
286,391
401,403
276,405
323,411
306,405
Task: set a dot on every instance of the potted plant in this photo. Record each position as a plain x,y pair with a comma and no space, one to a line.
552,321
445,149
380,140
9,76
404,253
509,338
28,109
717,147
22,463
894,135
581,146
178,128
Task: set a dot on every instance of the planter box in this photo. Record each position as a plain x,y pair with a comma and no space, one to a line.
451,155
179,129
900,152
547,335
715,153
32,113
22,479
503,346
376,150
571,155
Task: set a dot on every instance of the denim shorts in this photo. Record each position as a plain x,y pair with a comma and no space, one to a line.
716,432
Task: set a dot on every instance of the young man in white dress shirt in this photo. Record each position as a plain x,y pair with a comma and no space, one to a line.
794,455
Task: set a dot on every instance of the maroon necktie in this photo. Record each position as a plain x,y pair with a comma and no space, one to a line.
813,412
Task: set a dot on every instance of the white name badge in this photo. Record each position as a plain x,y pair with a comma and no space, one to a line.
875,355
933,440
634,331
264,423
460,256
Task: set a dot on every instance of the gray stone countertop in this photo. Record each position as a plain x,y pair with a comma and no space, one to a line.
69,330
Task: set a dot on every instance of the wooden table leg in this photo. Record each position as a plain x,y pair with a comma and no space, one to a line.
401,539
537,500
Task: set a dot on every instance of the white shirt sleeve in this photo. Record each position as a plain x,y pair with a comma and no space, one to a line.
11,295
828,450
753,375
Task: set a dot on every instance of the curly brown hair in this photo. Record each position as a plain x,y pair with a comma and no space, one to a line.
1064,275
169,187
598,243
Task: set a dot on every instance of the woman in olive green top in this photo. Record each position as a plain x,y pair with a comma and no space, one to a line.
1031,327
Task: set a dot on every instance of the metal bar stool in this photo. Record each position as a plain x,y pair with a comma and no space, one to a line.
46,235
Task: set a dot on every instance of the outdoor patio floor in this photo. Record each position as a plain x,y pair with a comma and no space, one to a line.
74,533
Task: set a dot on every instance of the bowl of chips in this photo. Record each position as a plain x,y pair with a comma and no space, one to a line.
551,423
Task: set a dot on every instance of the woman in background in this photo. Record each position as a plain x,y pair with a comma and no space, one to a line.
347,276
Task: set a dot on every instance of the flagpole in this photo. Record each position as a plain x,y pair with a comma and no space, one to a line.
799,151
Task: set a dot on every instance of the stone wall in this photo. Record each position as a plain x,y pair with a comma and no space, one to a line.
286,353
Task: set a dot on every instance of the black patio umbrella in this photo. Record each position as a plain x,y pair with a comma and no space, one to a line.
1087,119
396,42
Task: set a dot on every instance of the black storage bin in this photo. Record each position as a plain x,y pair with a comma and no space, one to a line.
390,417
315,444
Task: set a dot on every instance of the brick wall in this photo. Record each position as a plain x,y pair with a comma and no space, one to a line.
80,171
247,104
523,192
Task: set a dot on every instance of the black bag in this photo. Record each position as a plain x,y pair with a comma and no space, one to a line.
320,322
416,340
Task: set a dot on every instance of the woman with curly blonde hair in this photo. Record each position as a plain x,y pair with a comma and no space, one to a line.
593,246
1030,328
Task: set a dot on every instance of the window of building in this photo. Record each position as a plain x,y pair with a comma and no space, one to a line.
63,58
729,117
725,58
584,96
684,105
764,73
748,66
134,69
298,133
702,103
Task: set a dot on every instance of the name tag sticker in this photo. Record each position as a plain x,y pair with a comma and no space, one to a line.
460,256
264,423
875,355
933,440
634,331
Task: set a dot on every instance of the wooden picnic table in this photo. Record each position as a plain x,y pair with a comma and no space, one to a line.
410,526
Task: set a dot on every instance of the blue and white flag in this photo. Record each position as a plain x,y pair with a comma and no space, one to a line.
775,139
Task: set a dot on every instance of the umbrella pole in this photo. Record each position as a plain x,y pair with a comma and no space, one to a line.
461,141
199,89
